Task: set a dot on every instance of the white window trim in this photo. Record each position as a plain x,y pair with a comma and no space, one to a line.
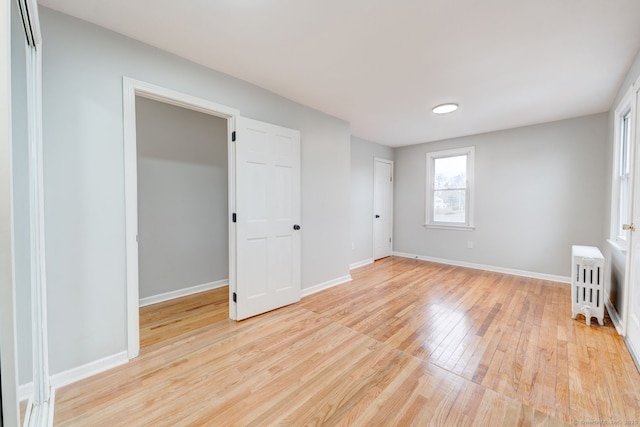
431,156
625,106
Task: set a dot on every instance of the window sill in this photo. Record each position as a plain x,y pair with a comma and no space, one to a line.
618,246
450,227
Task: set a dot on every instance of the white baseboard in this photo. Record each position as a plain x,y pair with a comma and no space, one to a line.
326,285
634,355
85,371
615,318
25,391
361,263
522,273
182,292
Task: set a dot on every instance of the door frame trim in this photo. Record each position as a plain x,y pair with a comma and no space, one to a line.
631,98
130,89
373,207
10,411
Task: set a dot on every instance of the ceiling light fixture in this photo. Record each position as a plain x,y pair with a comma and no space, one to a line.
449,107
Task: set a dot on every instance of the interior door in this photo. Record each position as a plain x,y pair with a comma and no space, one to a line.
382,208
633,307
267,217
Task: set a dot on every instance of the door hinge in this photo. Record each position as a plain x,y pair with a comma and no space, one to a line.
233,135
235,297
390,179
233,217
389,239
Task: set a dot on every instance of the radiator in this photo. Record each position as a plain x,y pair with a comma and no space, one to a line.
587,287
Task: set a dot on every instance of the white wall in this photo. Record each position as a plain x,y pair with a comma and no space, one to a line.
616,259
84,191
183,224
539,189
361,213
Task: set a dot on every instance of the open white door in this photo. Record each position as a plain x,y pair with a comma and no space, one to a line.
267,217
633,318
633,302
382,207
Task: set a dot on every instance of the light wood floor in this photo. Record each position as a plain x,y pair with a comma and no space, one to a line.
161,322
23,410
405,343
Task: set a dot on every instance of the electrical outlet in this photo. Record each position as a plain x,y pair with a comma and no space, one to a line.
353,246
469,244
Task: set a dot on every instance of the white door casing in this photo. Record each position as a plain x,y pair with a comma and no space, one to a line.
130,89
382,208
633,260
8,322
268,217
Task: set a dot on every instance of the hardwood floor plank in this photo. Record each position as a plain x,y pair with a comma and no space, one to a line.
407,342
159,322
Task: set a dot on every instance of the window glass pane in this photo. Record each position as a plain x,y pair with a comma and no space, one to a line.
623,212
623,180
449,206
624,144
450,172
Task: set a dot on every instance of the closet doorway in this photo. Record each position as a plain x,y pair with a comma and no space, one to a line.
263,208
183,226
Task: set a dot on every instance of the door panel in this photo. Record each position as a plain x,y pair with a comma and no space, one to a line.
382,208
633,310
267,207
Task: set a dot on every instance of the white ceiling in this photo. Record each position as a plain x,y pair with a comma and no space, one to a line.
382,64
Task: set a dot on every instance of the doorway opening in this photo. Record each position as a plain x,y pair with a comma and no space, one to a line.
161,174
183,233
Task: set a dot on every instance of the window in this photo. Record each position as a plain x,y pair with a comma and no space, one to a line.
621,172
450,189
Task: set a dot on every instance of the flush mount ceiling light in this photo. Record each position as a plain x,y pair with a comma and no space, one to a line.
445,108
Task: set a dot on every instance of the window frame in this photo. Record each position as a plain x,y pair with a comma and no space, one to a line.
619,176
431,157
